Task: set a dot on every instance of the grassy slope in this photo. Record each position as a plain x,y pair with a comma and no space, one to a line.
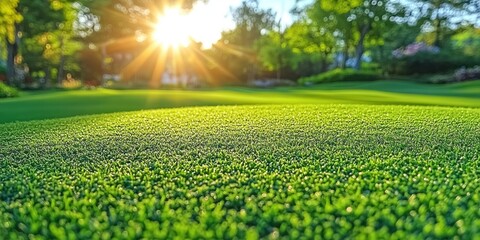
329,171
71,103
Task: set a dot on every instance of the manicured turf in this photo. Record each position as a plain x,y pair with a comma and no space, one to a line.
283,171
47,105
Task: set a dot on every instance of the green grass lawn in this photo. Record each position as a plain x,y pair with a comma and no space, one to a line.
56,104
334,161
277,171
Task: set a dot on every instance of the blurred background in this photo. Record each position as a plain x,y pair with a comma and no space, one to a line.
261,43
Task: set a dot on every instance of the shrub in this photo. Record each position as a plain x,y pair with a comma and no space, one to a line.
414,49
266,83
430,63
71,84
460,75
340,75
3,72
6,91
371,67
3,68
465,74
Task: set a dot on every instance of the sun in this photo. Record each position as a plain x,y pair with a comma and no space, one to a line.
173,29
171,46
204,23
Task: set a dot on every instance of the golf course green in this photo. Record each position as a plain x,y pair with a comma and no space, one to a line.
56,104
329,162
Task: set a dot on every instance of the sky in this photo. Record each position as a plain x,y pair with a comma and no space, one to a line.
212,18
215,16
281,7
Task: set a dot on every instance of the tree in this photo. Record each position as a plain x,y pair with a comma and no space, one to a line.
274,53
363,18
251,23
34,30
48,36
337,23
442,15
312,38
467,40
395,37
9,19
125,18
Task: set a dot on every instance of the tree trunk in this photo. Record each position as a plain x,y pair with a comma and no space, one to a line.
61,71
324,63
280,54
60,74
345,55
252,72
12,51
279,66
438,33
48,78
279,72
10,62
383,58
360,46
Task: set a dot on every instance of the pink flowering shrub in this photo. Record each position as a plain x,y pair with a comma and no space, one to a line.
464,74
414,48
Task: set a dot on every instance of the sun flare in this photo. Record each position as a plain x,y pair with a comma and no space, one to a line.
203,23
172,29
174,40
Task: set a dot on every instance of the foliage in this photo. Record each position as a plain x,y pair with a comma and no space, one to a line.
70,83
48,38
464,74
336,172
467,41
441,16
309,39
274,53
394,37
334,20
7,91
3,67
302,49
428,62
9,16
91,59
340,75
40,16
357,20
250,22
236,50
124,19
372,67
413,49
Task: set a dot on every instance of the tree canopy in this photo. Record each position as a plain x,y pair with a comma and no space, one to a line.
49,39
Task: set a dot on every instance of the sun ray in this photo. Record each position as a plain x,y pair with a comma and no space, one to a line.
236,50
133,67
216,64
198,63
144,22
158,69
171,47
179,67
120,44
